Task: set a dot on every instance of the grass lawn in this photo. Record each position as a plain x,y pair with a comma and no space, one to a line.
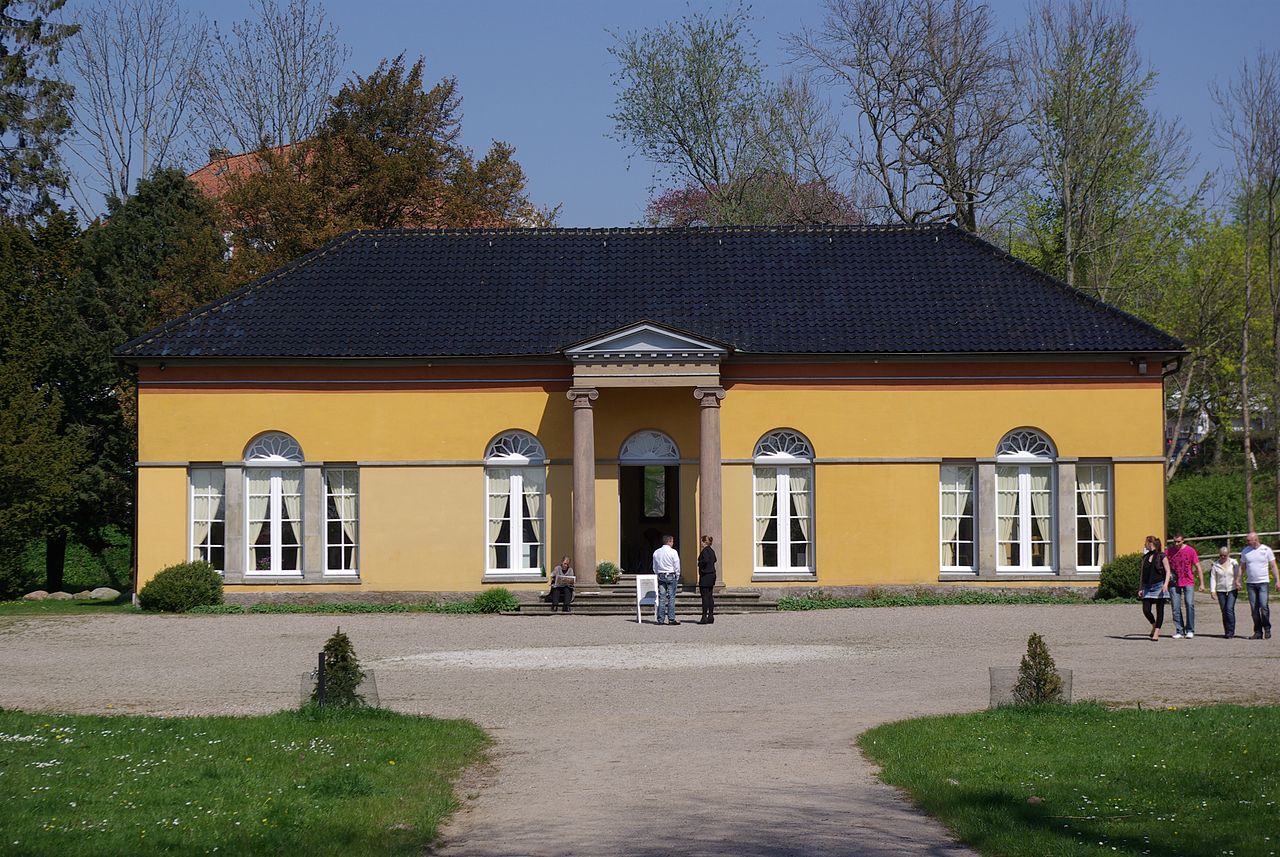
65,608
314,783
1082,779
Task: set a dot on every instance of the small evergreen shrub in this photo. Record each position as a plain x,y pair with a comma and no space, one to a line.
607,572
342,673
1038,679
498,600
1120,577
181,587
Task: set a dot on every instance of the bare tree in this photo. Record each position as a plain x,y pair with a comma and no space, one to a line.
135,63
939,134
1103,157
1249,127
269,79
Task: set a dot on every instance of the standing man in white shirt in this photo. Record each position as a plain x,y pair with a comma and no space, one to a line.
1259,564
666,564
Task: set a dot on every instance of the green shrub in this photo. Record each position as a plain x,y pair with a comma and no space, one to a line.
1038,679
498,600
607,572
342,673
1120,577
181,587
217,609
1207,505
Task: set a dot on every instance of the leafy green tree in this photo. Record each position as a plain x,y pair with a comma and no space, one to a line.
1107,167
728,147
1038,678
33,107
386,155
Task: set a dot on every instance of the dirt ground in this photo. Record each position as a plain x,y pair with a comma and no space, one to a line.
618,739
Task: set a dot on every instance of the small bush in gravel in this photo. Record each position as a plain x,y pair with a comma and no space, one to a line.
342,673
496,601
1038,679
1120,577
181,587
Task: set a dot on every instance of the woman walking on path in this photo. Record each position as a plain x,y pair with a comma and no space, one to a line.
707,581
1154,589
1224,582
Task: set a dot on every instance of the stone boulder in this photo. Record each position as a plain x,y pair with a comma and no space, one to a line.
60,596
83,595
38,595
104,593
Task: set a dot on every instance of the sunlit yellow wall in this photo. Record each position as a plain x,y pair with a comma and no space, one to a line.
163,526
423,527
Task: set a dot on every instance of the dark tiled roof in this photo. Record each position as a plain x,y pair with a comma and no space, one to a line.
819,290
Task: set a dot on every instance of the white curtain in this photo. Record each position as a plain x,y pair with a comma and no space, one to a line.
533,490
766,506
1041,507
1093,495
291,499
801,478
1007,512
954,479
499,488
259,502
344,494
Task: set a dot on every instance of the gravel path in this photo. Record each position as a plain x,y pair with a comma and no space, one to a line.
612,738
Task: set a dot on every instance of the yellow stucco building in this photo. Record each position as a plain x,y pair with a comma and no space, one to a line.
432,411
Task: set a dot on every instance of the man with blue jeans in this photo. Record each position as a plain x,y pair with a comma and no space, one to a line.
1259,563
1185,564
666,564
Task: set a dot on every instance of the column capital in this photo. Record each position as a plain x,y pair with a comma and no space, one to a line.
708,397
582,397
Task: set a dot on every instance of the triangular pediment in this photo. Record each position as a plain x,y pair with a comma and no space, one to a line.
646,341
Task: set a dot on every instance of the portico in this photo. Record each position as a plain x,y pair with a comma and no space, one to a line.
645,355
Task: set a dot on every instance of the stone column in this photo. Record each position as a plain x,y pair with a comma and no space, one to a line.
234,524
1066,535
986,500
584,484
313,522
709,505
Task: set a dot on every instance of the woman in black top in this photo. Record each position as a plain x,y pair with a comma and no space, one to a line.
707,581
1154,589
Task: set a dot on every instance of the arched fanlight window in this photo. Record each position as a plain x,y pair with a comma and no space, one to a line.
1026,513
515,447
515,500
273,446
783,445
1025,445
649,447
783,504
273,489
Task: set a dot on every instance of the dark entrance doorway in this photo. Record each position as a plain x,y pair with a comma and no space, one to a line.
649,508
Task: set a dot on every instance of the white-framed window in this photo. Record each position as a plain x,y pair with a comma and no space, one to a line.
342,520
515,501
273,489
1026,518
1093,515
782,479
208,516
956,517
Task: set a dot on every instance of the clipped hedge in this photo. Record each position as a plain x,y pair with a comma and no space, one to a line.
181,587
1121,577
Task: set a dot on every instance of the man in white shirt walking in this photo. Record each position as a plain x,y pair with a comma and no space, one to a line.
666,564
1259,564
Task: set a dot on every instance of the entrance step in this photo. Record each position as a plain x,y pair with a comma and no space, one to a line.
619,600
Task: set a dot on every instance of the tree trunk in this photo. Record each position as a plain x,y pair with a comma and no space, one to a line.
55,560
1244,364
1172,463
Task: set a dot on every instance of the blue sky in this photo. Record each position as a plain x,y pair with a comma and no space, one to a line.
538,73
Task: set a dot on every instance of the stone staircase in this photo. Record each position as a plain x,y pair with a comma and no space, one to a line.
619,599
